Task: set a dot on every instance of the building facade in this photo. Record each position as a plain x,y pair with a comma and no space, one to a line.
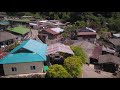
24,68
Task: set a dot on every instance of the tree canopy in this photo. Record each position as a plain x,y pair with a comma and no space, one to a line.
96,20
80,53
57,71
73,65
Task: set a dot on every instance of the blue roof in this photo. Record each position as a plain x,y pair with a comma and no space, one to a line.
38,48
4,23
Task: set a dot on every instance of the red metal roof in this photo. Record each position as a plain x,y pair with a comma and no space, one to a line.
86,33
2,54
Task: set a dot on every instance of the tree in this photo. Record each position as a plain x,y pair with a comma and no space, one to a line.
102,32
57,71
79,52
114,24
73,66
81,24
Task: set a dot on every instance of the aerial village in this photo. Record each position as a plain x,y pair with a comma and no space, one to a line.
43,48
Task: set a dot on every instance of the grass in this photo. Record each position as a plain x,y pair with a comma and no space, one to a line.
19,29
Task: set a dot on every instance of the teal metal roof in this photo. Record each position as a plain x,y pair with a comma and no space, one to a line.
20,58
4,23
38,49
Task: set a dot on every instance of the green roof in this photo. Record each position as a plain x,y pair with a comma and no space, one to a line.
45,68
19,29
22,20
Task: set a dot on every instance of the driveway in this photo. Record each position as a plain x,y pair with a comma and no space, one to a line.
89,72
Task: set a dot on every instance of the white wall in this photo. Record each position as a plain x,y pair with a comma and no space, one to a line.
23,68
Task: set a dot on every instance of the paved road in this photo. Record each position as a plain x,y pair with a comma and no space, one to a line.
88,72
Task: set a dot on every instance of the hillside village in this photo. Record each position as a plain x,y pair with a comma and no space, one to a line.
31,47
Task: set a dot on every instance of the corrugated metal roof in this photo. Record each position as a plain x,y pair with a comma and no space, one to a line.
19,29
116,35
107,58
20,58
58,47
4,23
115,41
38,49
86,33
57,30
6,36
50,31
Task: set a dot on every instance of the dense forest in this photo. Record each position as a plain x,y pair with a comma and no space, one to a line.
106,21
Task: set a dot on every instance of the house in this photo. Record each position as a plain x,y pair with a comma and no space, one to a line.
116,43
95,54
87,34
107,46
106,50
16,22
26,58
86,46
59,47
109,62
4,25
2,15
52,32
20,31
91,50
58,52
7,38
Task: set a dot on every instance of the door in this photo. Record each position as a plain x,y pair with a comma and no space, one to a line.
1,70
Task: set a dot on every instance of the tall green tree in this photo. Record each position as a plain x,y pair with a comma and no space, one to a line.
78,51
57,71
73,65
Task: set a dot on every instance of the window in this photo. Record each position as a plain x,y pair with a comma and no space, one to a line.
14,69
32,67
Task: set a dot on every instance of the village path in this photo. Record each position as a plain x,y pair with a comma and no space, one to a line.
89,72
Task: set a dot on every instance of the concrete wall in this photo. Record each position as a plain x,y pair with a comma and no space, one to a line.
23,68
